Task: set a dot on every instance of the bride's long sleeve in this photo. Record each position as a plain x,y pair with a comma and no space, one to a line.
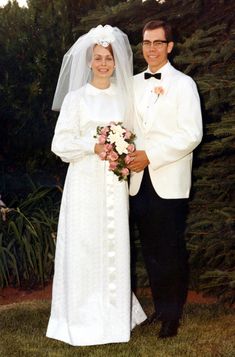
68,143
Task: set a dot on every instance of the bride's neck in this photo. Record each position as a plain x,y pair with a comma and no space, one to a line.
101,84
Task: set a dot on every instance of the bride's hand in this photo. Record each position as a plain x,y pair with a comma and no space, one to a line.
99,148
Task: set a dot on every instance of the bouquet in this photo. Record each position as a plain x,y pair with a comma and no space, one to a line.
118,144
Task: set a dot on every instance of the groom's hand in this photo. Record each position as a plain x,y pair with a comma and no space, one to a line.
139,161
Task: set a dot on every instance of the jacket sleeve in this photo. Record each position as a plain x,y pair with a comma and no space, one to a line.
164,148
68,143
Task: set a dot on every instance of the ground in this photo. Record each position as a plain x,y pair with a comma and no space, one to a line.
11,295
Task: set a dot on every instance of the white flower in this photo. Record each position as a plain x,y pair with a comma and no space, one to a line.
103,35
116,134
121,147
112,137
116,137
118,129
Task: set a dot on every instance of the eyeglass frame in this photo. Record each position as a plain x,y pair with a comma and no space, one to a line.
155,44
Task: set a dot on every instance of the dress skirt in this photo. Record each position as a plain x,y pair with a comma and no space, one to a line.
92,301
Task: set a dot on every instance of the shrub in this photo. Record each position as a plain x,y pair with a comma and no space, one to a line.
27,239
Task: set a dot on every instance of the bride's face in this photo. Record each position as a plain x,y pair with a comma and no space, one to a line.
102,63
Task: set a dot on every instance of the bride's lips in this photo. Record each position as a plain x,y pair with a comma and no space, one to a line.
103,70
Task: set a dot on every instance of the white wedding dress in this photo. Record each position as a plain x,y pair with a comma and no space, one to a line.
92,301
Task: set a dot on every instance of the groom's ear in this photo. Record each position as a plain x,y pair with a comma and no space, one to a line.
170,46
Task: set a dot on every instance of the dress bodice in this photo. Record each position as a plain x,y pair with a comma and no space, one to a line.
98,107
81,112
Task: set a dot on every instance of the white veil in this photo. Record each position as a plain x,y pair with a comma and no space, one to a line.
75,71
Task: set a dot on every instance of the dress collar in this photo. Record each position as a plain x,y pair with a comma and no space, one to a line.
91,90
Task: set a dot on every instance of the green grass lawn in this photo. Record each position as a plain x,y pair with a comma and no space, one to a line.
206,331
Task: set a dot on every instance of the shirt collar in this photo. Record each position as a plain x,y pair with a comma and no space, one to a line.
163,70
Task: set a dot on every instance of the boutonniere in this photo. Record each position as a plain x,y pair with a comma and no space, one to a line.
159,91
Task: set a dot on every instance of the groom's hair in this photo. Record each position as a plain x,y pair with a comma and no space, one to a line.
156,24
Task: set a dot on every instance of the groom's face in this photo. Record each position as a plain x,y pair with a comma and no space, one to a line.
156,52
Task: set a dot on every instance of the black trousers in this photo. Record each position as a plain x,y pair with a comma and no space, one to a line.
161,225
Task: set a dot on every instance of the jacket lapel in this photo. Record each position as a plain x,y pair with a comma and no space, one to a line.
154,112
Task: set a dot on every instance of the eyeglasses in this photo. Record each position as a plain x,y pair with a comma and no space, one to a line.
156,44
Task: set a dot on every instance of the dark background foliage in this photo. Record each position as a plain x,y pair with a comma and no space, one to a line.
32,43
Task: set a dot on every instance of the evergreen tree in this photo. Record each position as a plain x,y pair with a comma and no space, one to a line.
208,53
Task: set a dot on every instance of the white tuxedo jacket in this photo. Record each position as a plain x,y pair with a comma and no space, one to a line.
168,127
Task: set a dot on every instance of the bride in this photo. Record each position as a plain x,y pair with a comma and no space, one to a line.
92,301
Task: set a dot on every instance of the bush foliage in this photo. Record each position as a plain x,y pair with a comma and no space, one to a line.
27,239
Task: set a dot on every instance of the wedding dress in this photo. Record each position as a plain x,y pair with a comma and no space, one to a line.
92,301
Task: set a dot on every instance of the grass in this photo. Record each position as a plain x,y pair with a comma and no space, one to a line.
206,331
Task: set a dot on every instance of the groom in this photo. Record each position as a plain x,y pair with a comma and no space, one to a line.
168,127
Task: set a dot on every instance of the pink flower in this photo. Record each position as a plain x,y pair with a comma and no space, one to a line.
131,148
112,165
102,139
127,159
108,147
125,172
104,130
112,156
159,90
103,155
127,135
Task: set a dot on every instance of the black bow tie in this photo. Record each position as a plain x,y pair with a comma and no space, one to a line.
149,75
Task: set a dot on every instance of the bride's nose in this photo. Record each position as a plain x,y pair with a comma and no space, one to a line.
103,61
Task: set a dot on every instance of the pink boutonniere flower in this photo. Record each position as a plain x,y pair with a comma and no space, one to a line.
159,91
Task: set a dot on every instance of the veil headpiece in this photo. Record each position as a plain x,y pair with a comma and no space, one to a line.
75,71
